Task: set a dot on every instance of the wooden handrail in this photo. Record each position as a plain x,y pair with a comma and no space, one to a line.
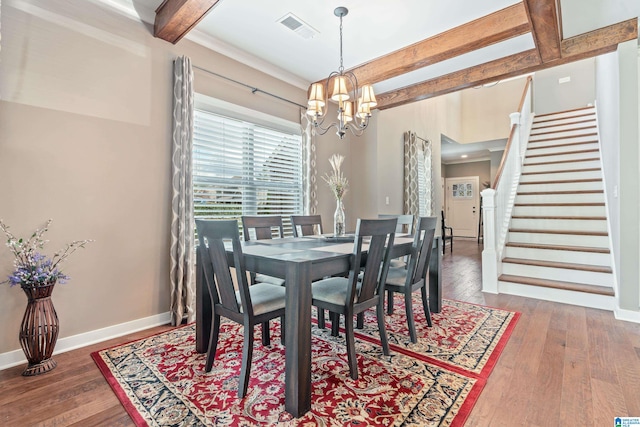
524,94
505,154
496,181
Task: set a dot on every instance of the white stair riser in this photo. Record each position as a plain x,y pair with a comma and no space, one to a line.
583,299
559,126
552,142
565,114
553,167
567,157
560,224
543,121
566,186
560,274
562,176
562,134
562,149
559,211
561,198
560,239
576,257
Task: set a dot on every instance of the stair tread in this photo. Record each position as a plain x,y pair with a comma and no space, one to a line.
555,162
568,144
572,232
560,181
557,284
535,121
561,124
557,264
547,193
563,130
565,171
571,110
558,204
578,218
563,137
559,247
563,153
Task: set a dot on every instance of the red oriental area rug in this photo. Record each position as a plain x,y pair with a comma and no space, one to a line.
466,338
160,381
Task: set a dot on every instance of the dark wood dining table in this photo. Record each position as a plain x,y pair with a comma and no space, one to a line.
300,261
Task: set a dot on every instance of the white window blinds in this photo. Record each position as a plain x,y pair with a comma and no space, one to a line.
241,168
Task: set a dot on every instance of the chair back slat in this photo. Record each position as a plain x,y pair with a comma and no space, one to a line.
421,250
405,222
381,233
212,235
262,225
308,225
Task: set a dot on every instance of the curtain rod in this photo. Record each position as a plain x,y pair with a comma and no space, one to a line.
253,89
422,139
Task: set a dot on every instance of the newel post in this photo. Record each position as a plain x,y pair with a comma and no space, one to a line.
489,254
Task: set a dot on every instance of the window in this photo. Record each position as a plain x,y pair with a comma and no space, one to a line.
244,168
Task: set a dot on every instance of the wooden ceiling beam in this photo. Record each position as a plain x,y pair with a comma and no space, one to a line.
473,76
175,18
602,37
594,43
546,28
496,27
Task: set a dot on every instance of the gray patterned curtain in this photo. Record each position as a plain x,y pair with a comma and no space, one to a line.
183,287
309,169
418,183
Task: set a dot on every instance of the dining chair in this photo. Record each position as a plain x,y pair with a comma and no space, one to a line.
348,296
415,276
248,305
405,226
447,234
405,222
263,227
308,225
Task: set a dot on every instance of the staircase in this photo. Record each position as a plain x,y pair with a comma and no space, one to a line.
558,245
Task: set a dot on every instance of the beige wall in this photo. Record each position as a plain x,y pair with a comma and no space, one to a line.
85,139
429,119
481,169
485,110
550,96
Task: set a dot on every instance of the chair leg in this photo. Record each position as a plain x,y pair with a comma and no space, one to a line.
381,326
425,305
335,323
409,312
266,336
213,343
451,244
321,324
282,328
360,321
247,354
351,346
389,302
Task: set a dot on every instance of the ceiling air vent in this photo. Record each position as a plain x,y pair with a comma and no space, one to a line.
298,26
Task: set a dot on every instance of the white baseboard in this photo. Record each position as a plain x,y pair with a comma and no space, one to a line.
16,357
627,315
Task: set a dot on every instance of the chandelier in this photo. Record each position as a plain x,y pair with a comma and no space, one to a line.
345,93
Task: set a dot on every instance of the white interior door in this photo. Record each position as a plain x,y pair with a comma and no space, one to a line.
463,205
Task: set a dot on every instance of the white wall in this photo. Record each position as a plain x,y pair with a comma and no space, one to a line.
608,106
629,274
550,96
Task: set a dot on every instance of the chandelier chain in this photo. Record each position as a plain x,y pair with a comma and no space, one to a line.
341,69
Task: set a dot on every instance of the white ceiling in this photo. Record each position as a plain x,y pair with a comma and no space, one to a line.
249,31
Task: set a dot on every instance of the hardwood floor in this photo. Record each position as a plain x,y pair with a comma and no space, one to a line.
564,365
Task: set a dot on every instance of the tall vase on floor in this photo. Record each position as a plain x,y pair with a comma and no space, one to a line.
39,330
338,218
